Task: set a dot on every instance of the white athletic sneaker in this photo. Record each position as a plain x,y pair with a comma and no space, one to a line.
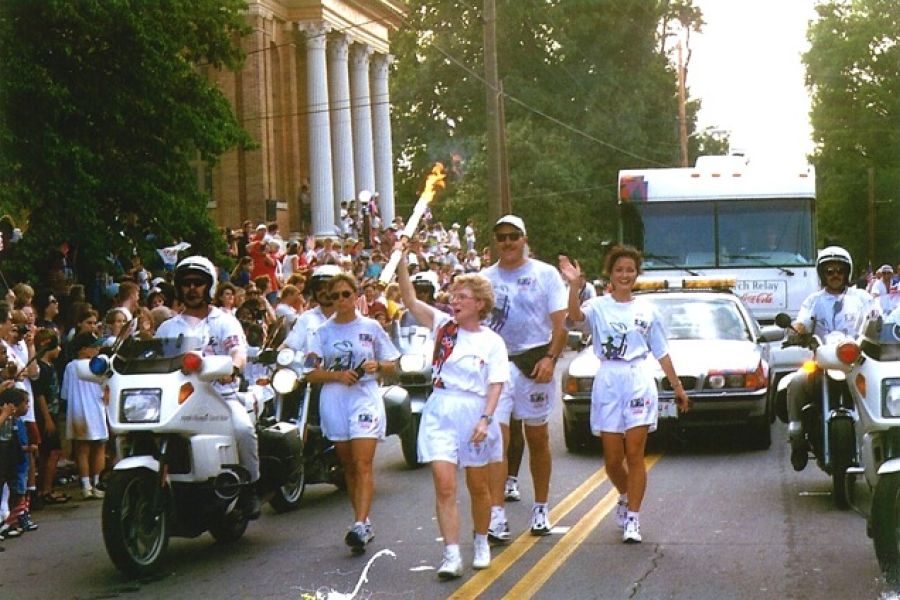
451,567
482,558
540,525
87,493
632,533
359,535
621,513
98,493
498,530
511,490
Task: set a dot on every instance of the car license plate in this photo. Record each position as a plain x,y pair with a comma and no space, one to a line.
668,410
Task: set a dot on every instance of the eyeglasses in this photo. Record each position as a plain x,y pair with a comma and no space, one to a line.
513,236
834,271
53,301
460,297
187,283
342,294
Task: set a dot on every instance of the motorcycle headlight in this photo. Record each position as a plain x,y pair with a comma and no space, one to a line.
284,381
285,357
890,398
410,363
141,405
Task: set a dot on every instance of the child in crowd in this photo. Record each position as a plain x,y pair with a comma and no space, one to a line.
46,396
14,449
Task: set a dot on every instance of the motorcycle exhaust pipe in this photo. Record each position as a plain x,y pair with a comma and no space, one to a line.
227,485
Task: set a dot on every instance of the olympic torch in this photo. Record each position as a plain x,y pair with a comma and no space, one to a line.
434,182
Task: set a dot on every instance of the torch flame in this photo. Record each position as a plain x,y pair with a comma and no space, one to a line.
434,182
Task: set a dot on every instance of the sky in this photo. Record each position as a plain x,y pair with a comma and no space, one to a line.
746,69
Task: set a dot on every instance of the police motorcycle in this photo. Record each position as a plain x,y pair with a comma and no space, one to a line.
828,421
872,482
416,346
178,471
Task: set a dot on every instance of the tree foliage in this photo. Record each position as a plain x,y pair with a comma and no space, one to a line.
104,104
590,89
853,71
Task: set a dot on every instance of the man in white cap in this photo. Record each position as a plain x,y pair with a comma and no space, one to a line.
530,301
881,288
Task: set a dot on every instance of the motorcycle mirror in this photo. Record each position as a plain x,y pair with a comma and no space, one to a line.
783,320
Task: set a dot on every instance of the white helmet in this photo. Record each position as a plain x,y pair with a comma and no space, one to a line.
424,279
200,265
833,254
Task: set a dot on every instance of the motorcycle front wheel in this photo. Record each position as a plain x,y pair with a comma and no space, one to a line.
288,496
885,526
842,446
135,533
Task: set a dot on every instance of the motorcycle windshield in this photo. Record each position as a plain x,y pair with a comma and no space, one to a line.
881,340
156,355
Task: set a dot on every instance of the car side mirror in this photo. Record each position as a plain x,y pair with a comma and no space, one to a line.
771,333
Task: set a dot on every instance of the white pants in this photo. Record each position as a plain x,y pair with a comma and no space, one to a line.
245,435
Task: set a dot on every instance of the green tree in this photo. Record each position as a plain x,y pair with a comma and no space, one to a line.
104,104
590,89
853,71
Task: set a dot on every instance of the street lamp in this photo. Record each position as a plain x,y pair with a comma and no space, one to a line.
363,198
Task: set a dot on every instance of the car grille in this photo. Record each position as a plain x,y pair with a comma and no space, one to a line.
689,383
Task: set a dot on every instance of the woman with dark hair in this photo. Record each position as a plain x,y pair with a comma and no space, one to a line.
240,276
225,297
352,351
46,306
624,404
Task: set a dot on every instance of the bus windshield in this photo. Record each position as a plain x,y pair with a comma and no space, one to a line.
775,232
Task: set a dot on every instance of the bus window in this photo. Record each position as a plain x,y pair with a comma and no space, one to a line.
765,232
671,234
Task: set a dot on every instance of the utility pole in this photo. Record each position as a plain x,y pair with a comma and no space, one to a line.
492,114
682,111
871,215
505,201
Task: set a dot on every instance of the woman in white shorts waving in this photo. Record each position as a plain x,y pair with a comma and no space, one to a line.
469,368
624,409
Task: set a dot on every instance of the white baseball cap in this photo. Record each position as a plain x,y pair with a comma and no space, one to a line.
513,220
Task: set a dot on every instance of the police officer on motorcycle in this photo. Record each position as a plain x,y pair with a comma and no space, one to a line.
836,307
195,283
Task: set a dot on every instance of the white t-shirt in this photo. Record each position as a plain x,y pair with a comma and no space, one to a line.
524,299
844,312
298,337
18,353
625,330
883,293
478,359
343,346
223,332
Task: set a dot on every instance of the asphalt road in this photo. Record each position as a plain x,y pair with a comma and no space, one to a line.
719,521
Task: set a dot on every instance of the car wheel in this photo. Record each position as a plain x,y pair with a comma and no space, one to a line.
760,433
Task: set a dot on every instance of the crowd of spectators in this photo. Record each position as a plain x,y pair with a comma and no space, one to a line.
53,427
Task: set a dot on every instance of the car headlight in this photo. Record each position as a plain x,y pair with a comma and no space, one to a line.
284,381
285,357
411,363
890,394
141,405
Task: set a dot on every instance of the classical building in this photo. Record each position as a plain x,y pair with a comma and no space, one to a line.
313,94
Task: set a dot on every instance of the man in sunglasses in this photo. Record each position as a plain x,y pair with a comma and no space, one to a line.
836,307
530,301
195,286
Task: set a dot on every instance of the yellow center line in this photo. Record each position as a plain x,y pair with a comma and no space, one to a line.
535,578
522,544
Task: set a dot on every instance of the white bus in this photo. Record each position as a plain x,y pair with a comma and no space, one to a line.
725,217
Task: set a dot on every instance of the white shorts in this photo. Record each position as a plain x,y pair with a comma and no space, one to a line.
445,433
624,396
353,412
525,400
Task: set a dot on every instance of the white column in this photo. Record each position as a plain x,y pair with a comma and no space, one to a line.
361,110
320,179
381,132
341,130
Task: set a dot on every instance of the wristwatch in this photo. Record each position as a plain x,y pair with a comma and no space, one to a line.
552,357
488,418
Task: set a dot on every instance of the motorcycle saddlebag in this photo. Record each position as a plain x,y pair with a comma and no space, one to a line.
280,450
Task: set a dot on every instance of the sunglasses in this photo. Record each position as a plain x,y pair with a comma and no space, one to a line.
187,283
343,294
834,271
513,236
460,297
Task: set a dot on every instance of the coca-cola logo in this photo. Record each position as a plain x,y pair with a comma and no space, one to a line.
758,298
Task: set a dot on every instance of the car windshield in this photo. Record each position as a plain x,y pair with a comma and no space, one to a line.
701,318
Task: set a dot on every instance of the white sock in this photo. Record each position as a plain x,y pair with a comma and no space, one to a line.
512,479
86,482
451,550
539,505
634,515
481,539
95,479
623,498
498,512
358,523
